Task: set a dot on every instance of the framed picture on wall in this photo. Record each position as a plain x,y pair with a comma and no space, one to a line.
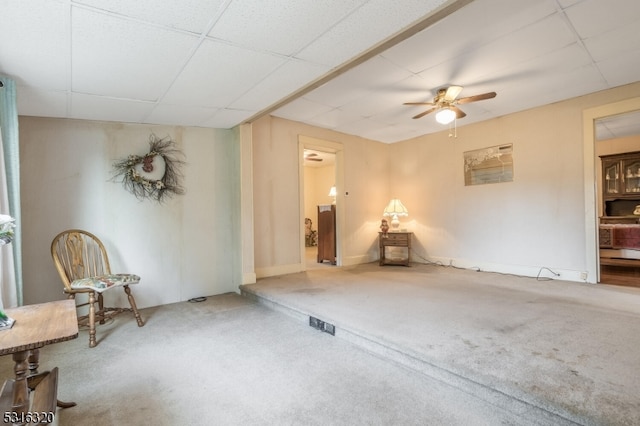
489,165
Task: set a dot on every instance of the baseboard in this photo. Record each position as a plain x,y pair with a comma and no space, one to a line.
278,270
358,260
545,272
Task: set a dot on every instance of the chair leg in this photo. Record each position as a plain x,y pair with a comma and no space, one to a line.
92,319
134,308
101,308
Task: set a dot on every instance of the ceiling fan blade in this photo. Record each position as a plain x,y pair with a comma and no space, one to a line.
418,103
452,93
459,113
422,114
313,159
475,98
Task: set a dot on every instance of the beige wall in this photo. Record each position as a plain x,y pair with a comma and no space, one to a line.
536,221
524,227
184,248
277,202
193,245
317,183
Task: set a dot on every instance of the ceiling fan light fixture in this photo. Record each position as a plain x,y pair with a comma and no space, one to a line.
445,115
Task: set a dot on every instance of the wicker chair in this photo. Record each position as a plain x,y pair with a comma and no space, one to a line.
83,265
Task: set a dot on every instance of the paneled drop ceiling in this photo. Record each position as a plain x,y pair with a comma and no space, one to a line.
347,65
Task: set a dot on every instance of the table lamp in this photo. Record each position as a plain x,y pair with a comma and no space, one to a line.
395,209
333,193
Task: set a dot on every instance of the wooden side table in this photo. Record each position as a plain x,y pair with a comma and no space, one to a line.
36,326
394,239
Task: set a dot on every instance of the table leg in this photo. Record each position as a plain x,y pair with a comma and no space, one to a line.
20,388
63,404
34,360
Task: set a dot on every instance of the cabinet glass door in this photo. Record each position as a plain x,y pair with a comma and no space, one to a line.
611,178
631,170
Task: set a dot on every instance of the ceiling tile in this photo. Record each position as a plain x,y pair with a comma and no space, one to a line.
620,125
457,35
621,70
301,109
355,33
135,61
180,115
288,78
226,118
593,17
621,41
35,43
41,102
209,80
603,133
279,26
333,118
567,3
151,62
375,131
372,75
88,107
188,15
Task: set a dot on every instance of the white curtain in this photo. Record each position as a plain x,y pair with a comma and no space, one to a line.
8,294
10,254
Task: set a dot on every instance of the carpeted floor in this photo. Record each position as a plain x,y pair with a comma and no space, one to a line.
562,351
231,361
423,345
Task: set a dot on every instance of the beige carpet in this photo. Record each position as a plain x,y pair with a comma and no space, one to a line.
562,350
231,361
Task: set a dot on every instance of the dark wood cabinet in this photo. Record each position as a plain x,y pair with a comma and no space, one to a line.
620,187
619,229
327,233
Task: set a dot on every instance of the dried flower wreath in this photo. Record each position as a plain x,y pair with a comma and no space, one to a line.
154,175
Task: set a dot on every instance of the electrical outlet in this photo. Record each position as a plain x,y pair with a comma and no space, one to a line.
583,276
329,328
316,323
322,326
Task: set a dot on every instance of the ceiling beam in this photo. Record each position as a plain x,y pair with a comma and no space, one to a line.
425,22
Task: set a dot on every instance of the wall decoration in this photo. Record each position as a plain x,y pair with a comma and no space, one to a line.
154,175
488,165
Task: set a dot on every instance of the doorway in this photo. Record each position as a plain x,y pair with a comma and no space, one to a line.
619,258
320,180
591,206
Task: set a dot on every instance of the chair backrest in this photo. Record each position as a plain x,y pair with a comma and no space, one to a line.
79,254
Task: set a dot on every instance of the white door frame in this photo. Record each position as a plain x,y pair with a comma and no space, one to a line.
589,118
337,149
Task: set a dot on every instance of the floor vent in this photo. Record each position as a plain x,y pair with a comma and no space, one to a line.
322,326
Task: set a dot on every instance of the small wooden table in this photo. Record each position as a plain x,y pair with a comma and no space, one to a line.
36,326
394,239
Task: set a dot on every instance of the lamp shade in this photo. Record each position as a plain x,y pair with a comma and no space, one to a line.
333,192
445,116
395,208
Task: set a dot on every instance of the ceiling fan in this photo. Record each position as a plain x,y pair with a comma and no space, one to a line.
311,156
445,104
